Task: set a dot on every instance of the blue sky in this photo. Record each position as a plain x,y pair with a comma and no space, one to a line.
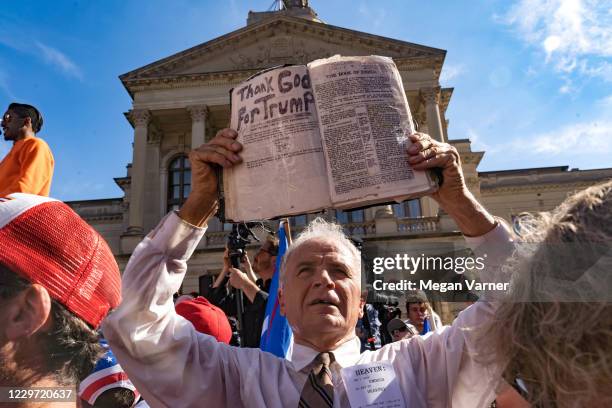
532,78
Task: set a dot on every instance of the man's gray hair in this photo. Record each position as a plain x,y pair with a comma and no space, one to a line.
321,229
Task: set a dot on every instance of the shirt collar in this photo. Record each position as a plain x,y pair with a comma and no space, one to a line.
346,355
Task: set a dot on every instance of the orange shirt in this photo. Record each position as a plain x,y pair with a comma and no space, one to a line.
27,168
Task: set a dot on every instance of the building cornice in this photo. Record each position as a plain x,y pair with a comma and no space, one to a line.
408,55
535,187
445,97
232,78
188,80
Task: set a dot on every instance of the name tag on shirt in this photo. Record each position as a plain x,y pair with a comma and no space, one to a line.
373,385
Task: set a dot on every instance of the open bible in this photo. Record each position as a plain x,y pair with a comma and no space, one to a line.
332,134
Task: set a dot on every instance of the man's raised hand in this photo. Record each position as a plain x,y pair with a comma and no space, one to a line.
426,154
453,195
222,151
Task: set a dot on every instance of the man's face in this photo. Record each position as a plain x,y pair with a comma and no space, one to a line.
264,261
11,125
321,290
417,313
401,334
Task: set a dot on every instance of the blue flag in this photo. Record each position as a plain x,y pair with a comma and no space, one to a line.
426,328
276,334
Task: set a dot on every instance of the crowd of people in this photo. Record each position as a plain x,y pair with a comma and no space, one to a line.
70,321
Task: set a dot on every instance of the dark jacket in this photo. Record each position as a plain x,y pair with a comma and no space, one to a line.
254,312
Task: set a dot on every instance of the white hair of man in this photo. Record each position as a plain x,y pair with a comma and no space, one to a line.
322,230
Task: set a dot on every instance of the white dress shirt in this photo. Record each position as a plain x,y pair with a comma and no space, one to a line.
174,366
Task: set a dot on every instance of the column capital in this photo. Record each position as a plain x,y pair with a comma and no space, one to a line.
198,112
154,135
430,95
140,117
420,118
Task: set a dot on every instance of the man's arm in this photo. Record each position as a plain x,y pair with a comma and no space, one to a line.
248,268
159,350
239,280
454,368
486,236
169,362
35,167
453,195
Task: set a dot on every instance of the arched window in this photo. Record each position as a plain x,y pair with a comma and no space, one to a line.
179,182
408,209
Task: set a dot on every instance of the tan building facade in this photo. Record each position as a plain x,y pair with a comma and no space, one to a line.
181,101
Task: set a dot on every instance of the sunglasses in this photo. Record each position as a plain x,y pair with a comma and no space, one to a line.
271,253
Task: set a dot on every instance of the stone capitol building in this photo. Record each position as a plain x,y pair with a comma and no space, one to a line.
181,101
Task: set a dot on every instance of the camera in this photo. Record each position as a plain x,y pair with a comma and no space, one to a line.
238,239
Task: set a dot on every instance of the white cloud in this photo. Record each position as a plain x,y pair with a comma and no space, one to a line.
575,35
376,16
4,86
606,101
450,72
17,36
578,139
55,57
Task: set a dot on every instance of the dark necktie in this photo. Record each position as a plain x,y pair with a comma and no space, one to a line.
318,392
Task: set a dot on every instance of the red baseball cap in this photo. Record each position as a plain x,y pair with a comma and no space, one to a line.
46,242
206,318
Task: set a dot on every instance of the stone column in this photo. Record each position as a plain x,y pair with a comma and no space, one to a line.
198,124
141,120
431,99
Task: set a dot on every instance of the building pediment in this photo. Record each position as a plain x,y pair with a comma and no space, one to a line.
277,41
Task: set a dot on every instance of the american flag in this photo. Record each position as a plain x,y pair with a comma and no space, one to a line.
106,375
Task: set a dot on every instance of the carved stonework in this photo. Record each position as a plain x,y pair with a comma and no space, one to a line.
154,135
430,95
471,157
198,112
445,96
295,3
280,50
284,39
472,181
488,189
181,142
140,117
420,120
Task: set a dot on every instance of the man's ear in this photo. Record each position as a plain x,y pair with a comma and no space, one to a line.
281,301
28,312
362,303
27,122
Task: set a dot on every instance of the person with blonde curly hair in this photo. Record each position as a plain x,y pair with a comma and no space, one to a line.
553,331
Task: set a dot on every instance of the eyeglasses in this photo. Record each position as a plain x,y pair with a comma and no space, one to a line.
8,116
262,249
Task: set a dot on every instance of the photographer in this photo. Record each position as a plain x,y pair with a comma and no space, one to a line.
255,291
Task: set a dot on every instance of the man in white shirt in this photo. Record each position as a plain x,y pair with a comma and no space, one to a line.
174,366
